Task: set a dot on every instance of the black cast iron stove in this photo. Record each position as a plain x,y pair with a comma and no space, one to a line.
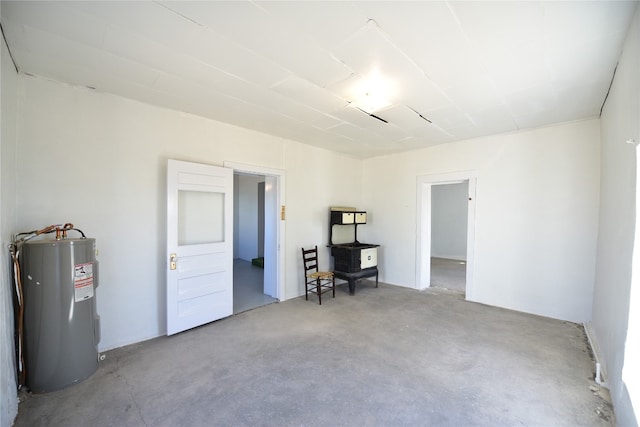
352,260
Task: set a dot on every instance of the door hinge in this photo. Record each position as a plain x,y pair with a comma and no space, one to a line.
282,212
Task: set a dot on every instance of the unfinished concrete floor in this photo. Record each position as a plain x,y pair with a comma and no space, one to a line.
384,357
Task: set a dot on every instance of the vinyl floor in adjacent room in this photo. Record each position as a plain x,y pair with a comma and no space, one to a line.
389,356
248,287
448,274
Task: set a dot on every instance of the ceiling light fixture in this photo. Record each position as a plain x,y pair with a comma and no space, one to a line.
372,94
370,103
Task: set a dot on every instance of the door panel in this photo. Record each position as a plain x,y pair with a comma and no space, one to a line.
200,242
200,217
196,286
199,264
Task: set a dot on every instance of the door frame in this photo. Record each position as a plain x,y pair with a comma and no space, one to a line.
423,226
273,263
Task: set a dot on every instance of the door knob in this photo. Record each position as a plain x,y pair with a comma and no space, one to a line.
172,261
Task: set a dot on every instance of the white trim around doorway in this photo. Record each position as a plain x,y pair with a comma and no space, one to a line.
423,226
273,262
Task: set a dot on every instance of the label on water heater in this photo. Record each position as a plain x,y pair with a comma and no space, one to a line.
83,281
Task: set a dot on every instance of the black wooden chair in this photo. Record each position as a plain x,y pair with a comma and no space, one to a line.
315,281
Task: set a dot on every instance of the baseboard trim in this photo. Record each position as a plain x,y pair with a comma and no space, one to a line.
600,368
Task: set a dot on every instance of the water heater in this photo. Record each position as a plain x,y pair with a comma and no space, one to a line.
61,325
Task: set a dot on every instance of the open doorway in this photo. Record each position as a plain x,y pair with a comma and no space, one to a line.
258,233
248,243
449,235
446,226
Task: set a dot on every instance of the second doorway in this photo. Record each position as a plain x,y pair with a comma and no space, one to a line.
449,206
249,289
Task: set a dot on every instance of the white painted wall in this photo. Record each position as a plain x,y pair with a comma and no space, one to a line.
449,206
99,161
247,220
8,109
311,227
620,121
536,215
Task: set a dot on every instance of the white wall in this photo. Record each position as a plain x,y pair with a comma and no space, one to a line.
536,215
620,122
306,227
247,216
449,208
8,108
99,161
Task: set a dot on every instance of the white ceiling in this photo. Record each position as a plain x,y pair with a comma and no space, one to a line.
288,68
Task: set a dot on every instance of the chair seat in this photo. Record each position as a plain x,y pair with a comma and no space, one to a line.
320,275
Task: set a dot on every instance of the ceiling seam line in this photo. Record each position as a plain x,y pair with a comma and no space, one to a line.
4,38
178,13
613,76
482,64
414,63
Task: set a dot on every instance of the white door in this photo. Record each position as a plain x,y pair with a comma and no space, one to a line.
199,244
